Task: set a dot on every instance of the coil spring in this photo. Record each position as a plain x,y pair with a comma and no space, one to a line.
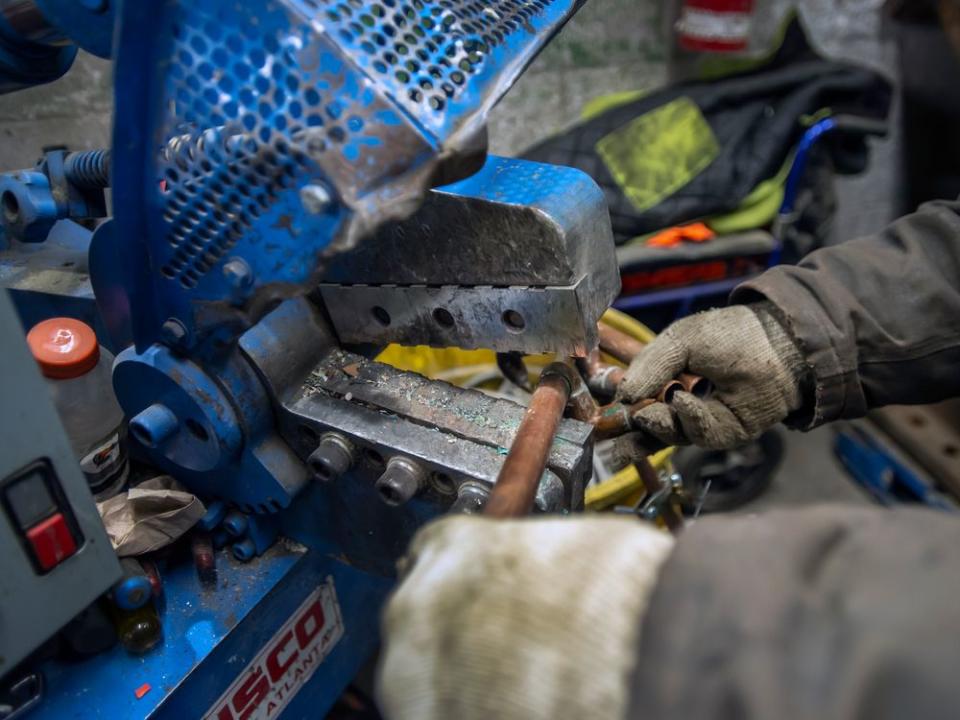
89,169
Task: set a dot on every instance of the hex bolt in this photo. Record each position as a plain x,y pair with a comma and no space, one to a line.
236,524
332,458
154,425
238,274
173,332
315,198
401,480
471,497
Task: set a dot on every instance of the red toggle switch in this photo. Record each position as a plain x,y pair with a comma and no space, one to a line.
51,541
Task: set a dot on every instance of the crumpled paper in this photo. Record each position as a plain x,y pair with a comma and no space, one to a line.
149,516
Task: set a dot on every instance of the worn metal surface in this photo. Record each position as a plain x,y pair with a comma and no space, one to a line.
466,414
458,437
519,256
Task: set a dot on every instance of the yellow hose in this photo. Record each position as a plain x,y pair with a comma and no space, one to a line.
626,324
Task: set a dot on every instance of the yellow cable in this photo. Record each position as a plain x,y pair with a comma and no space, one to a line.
626,324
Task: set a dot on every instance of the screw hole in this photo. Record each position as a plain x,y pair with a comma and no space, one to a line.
11,206
390,495
380,315
308,436
142,435
443,483
514,321
321,470
951,450
918,420
197,430
373,457
443,318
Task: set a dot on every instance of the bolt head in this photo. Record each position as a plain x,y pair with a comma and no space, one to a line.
238,274
315,198
173,331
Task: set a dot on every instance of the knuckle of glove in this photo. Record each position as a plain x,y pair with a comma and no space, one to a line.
660,421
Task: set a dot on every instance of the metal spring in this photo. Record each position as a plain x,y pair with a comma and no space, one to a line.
89,169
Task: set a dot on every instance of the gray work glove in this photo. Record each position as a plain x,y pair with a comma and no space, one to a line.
533,619
755,366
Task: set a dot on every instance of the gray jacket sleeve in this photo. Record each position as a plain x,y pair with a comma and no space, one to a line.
827,612
878,318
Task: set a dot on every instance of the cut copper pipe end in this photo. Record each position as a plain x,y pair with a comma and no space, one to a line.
669,390
696,385
516,487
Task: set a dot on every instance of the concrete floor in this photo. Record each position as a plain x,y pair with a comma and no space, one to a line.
809,474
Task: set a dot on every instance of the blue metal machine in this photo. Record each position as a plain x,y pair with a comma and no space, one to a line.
295,183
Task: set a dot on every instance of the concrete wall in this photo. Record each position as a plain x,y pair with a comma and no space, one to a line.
612,45
74,111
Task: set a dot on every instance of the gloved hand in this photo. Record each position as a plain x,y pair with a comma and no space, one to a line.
518,619
755,366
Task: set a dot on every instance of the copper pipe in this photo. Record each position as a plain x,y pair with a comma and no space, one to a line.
519,477
668,391
672,517
616,419
695,384
625,348
609,421
613,342
602,377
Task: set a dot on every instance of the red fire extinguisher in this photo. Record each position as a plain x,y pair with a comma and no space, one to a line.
715,25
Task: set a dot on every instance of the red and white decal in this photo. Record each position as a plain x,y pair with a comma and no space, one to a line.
286,662
715,25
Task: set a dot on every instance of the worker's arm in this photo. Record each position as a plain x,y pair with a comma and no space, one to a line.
867,323
826,612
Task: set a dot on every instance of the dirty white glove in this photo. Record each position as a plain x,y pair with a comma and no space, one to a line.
754,364
518,619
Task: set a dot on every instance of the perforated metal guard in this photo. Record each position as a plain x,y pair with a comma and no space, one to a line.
255,100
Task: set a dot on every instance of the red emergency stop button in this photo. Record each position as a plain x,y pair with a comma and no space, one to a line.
51,541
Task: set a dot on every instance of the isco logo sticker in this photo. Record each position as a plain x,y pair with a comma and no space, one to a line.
286,662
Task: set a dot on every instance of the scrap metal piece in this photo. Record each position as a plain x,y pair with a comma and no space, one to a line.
518,257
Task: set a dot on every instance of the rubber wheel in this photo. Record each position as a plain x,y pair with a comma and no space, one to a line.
735,477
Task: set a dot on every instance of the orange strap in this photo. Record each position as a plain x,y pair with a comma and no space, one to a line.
694,232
